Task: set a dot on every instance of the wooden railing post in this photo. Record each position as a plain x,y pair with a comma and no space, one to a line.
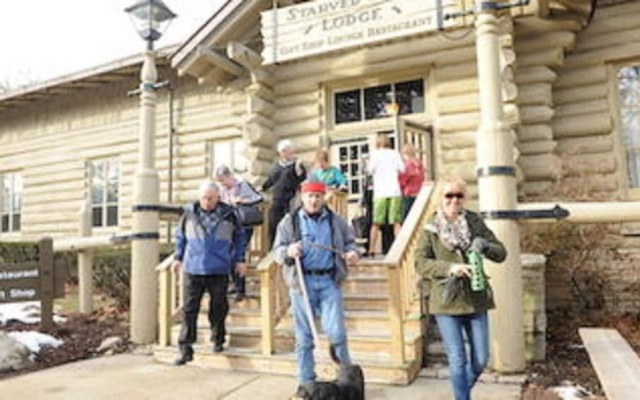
267,311
166,300
165,307
396,316
85,263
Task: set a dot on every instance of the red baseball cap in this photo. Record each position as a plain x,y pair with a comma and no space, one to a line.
317,187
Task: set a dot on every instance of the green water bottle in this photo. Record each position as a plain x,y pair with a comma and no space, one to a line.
478,280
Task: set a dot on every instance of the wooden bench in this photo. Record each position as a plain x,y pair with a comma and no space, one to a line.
615,362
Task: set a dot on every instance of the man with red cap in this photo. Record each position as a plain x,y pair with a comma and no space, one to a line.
325,244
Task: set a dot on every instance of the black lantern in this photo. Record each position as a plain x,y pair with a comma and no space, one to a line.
151,18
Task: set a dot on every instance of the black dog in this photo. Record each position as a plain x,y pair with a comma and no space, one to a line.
348,386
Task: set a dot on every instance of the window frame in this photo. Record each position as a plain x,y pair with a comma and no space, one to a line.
105,204
620,149
12,195
333,88
210,162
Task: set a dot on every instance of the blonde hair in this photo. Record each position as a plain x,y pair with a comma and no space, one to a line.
438,191
382,141
409,150
322,155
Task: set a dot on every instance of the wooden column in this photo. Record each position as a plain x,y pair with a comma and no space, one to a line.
498,192
85,262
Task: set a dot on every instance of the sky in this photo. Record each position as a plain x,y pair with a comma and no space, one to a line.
44,39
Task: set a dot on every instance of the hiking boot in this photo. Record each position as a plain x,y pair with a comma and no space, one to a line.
186,355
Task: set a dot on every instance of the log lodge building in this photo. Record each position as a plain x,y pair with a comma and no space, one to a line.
324,74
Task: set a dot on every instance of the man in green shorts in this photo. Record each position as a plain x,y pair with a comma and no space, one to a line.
385,166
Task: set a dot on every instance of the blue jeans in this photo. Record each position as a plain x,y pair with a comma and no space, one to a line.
326,300
464,369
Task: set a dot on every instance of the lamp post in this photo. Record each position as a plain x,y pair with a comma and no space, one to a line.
150,18
497,192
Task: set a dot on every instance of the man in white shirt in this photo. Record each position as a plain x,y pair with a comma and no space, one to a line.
385,166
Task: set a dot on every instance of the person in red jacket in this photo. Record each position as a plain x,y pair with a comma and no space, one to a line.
411,179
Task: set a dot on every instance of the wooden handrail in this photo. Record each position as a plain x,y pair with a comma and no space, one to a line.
337,201
400,262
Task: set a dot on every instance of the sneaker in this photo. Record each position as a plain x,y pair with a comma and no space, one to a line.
186,355
218,347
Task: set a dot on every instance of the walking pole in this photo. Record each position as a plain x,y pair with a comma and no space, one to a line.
307,303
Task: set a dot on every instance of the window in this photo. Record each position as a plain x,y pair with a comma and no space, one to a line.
12,191
370,102
351,156
629,92
230,152
105,187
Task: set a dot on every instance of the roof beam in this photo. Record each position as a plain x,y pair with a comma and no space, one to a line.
243,55
220,61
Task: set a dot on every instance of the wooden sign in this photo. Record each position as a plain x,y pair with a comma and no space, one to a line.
27,274
321,26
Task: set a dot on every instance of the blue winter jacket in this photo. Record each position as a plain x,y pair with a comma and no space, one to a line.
209,243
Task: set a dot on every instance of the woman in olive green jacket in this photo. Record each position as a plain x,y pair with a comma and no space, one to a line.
450,234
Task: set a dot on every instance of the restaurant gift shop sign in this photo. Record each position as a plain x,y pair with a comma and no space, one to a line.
27,273
321,26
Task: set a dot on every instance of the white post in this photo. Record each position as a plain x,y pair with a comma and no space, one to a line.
85,262
497,191
144,251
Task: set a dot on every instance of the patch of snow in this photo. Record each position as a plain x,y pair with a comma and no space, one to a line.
27,312
569,391
35,340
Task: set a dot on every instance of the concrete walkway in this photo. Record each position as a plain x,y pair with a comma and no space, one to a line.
136,377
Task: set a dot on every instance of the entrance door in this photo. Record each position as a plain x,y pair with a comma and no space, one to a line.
421,137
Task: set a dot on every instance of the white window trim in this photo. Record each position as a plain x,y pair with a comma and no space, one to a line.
209,157
104,228
12,232
620,150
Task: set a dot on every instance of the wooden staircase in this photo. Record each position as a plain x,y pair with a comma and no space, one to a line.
382,316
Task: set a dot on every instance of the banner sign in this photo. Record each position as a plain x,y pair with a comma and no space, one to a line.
321,26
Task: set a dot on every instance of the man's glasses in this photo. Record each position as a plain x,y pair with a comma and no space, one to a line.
450,196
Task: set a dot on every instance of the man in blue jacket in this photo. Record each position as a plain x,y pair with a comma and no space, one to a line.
209,242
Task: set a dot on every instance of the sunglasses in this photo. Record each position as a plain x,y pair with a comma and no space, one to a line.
450,196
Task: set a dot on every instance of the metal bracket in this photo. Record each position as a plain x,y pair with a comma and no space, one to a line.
556,212
150,87
135,236
158,208
504,170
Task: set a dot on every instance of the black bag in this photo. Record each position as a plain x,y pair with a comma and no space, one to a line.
360,227
249,215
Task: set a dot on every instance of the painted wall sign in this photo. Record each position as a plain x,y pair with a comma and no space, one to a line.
320,26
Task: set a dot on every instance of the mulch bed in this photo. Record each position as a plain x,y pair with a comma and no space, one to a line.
567,358
81,334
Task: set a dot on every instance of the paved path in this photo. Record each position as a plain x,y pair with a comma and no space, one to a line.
136,377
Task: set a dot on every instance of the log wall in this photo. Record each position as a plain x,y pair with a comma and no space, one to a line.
51,140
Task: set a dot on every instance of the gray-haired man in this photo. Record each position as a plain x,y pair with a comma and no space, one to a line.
209,242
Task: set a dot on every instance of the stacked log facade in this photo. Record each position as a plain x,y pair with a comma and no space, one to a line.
51,141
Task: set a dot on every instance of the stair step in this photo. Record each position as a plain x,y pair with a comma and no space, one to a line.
250,338
377,368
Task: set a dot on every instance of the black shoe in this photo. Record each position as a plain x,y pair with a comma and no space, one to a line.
186,355
303,391
217,348
232,290
240,297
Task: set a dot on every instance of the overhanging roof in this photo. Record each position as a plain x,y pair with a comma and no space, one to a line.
91,77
